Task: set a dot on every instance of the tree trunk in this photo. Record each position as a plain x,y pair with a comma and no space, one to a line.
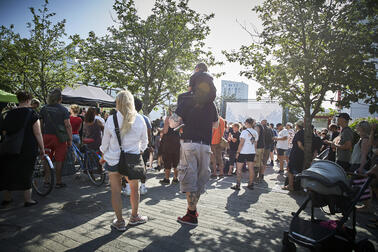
308,137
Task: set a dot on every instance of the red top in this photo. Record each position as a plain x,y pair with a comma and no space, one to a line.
75,124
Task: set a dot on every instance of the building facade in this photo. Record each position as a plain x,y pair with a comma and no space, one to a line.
234,89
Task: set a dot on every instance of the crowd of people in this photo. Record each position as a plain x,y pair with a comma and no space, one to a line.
192,140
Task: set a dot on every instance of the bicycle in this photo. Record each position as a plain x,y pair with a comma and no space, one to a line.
43,175
88,163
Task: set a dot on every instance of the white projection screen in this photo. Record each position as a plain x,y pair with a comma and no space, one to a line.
258,110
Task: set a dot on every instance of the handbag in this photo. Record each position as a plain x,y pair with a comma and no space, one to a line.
224,143
60,130
12,143
130,165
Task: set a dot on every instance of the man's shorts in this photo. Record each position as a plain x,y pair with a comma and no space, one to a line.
171,160
194,170
266,156
216,155
58,149
246,158
281,152
259,157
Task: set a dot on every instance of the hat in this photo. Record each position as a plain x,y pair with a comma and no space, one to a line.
300,123
345,116
289,124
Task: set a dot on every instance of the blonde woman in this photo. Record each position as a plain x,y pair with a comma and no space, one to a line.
134,140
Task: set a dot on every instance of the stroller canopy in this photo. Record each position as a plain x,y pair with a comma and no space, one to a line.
325,177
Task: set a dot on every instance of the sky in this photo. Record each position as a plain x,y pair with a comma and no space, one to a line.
83,16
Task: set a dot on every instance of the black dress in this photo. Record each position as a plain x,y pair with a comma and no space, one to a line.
296,158
16,170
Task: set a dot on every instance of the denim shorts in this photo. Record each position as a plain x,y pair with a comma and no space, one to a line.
111,168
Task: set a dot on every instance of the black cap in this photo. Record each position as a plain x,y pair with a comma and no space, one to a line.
345,116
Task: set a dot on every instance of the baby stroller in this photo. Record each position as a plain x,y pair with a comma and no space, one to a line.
327,185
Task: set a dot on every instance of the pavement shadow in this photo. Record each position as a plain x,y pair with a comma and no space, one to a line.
253,237
181,240
96,243
75,204
242,201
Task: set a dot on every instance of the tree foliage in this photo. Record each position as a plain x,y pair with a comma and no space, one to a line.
151,57
310,47
38,63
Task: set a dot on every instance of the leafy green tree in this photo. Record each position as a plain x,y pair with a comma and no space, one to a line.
310,47
151,57
38,63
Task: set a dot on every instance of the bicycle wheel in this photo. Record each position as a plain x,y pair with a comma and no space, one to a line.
43,176
93,168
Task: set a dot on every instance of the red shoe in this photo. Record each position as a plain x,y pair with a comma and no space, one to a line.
189,219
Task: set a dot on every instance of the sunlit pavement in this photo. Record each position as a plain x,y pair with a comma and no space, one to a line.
78,218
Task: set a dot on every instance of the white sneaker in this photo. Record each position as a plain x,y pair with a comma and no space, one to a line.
126,190
143,189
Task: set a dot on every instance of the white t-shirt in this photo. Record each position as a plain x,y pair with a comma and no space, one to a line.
248,147
283,144
100,119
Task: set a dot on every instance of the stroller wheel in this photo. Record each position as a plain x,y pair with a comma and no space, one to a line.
365,246
288,247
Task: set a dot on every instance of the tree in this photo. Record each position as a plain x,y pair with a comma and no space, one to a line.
38,63
310,47
151,57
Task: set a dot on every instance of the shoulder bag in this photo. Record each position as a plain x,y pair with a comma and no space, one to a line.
60,130
12,143
252,137
130,165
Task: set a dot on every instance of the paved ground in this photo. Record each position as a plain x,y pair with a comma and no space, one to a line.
77,218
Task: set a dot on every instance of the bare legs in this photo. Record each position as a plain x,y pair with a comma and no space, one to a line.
115,184
281,159
251,169
58,170
168,173
192,199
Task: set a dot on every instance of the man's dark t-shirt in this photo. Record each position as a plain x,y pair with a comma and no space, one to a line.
260,142
268,137
53,114
198,120
234,146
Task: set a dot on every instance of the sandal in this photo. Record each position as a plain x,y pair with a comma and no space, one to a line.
61,185
235,187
